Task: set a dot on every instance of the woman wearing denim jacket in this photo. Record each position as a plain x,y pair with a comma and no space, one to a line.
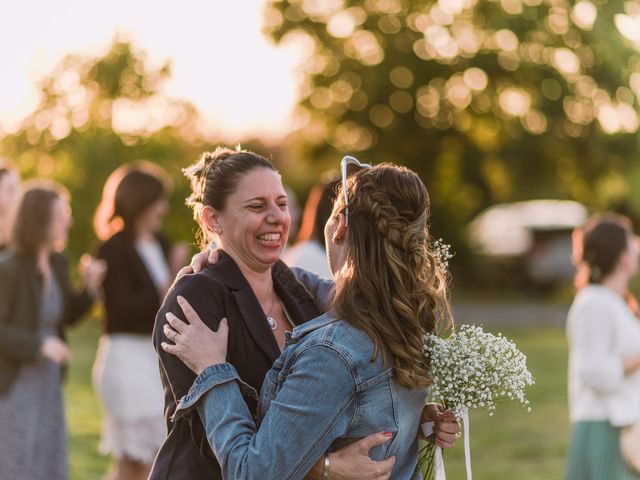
356,370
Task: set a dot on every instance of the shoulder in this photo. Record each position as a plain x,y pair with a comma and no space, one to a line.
114,244
340,336
289,280
202,287
597,299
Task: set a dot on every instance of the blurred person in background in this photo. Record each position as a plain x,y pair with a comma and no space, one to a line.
141,265
37,302
308,251
9,197
604,349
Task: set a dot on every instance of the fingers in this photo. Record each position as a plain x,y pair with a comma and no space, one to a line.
385,467
371,441
223,328
447,434
189,312
448,427
213,257
170,333
197,263
176,324
171,349
430,412
446,440
183,272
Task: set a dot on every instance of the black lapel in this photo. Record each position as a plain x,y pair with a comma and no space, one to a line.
256,322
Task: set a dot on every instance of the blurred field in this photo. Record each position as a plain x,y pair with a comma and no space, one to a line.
513,444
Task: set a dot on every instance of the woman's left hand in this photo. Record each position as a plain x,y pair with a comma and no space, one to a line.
194,343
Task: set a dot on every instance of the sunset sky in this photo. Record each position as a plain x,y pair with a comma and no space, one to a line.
239,80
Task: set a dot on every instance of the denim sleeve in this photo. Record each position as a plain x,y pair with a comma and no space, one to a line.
313,407
321,289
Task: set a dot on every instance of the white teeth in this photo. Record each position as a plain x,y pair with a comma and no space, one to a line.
269,237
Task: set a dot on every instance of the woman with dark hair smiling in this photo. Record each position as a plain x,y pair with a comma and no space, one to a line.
141,265
37,303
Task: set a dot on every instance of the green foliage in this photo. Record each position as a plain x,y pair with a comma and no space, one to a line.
491,101
97,113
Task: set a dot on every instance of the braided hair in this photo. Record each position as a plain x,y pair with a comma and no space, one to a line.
393,288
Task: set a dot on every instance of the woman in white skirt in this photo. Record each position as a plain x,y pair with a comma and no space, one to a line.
140,269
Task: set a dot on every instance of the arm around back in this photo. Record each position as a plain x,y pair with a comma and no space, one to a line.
313,407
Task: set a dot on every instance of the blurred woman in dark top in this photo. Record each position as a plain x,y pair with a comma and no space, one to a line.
140,269
37,302
9,197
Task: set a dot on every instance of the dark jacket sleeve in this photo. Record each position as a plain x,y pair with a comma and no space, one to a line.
77,303
206,296
19,344
122,301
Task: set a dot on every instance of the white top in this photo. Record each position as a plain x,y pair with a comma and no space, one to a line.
602,333
155,261
310,256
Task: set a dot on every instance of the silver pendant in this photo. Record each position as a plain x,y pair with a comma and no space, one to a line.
272,322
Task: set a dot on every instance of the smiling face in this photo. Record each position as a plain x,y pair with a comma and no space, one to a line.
254,225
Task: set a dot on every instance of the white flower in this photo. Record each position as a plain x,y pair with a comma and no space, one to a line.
475,369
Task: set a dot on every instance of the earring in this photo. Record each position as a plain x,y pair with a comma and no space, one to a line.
218,230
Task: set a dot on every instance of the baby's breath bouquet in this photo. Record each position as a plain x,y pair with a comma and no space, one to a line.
473,369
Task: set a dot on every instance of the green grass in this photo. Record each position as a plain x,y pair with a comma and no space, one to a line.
512,444
83,409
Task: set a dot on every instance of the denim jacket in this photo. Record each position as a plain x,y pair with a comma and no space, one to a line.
323,393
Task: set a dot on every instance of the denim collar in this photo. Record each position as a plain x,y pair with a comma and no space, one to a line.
322,321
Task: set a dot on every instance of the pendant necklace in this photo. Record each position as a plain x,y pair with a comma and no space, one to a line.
270,320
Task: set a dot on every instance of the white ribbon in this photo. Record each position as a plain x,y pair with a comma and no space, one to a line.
438,460
467,448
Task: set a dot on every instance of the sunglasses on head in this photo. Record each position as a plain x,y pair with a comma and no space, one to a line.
349,166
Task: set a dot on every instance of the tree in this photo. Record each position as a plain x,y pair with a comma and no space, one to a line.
97,113
490,101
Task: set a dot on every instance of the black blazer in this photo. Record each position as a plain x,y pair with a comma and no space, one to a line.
131,299
20,303
219,291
